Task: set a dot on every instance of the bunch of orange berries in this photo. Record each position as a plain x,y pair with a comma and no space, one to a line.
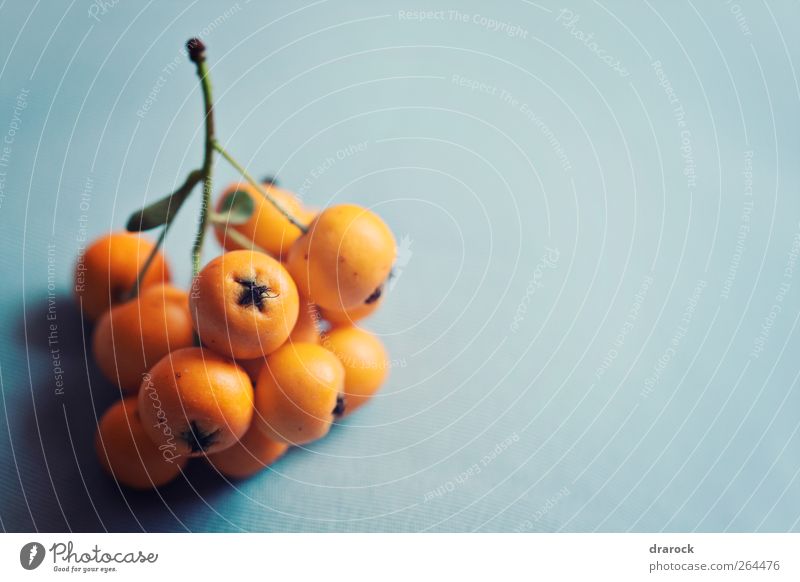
262,352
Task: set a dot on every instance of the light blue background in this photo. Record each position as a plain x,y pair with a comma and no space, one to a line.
557,150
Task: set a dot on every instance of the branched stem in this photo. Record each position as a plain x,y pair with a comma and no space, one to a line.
197,54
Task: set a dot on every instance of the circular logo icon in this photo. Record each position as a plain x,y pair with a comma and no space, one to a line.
31,555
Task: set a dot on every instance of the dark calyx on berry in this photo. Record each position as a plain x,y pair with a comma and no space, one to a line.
338,410
198,439
375,295
254,294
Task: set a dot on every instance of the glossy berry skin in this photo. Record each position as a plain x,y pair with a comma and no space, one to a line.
267,228
107,270
307,328
252,454
244,304
252,367
298,393
345,256
354,314
127,453
130,338
197,401
365,361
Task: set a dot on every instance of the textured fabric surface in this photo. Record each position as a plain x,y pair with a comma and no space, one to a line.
593,322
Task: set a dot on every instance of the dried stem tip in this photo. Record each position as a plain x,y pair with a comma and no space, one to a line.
197,50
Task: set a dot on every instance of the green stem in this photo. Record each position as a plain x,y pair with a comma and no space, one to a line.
197,55
134,291
247,176
197,247
135,223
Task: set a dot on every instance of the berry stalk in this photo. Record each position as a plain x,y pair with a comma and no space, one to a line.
258,186
197,54
163,211
134,291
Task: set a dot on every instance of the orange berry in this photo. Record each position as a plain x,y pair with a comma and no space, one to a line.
306,330
298,394
306,216
108,268
128,455
365,361
354,314
244,304
252,367
250,455
196,401
267,228
344,258
130,338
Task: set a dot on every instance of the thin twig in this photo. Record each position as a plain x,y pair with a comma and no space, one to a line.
197,54
247,176
133,293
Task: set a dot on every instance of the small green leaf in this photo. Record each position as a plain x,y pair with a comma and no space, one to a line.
237,208
163,211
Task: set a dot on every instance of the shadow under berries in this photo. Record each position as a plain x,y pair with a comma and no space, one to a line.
61,486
